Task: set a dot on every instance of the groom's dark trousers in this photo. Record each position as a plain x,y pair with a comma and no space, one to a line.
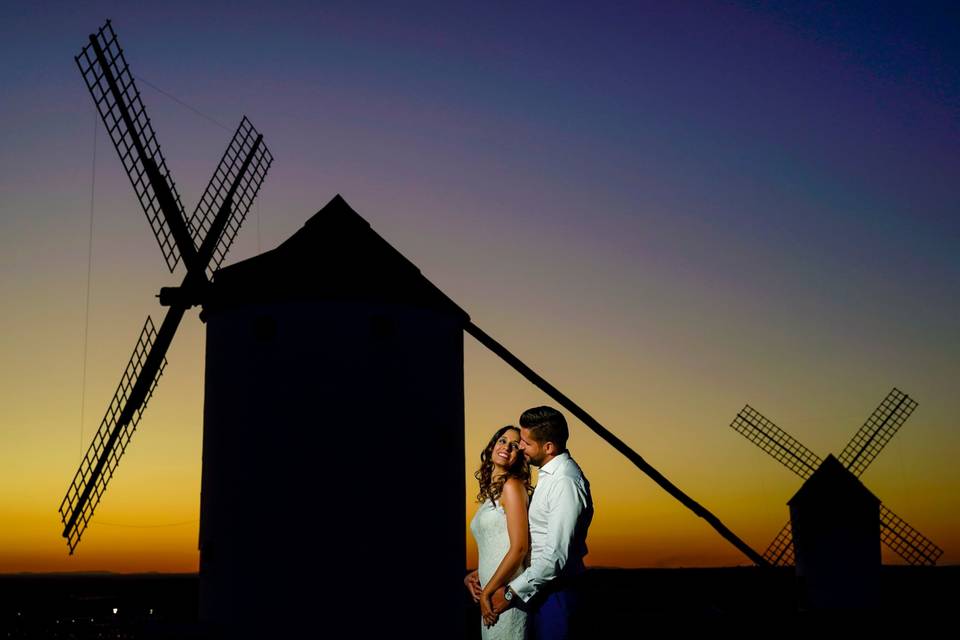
553,610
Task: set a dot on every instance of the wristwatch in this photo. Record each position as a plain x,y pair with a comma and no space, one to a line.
507,593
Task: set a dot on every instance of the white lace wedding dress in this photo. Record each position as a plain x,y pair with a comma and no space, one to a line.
489,529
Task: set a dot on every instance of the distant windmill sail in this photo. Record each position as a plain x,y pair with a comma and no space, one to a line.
780,552
862,449
867,443
776,442
909,543
203,244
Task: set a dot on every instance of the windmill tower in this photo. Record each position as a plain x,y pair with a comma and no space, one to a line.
836,524
201,242
333,437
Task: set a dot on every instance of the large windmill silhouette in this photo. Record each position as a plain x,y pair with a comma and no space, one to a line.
201,242
863,448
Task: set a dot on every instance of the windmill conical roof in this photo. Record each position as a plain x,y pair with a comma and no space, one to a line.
832,483
335,255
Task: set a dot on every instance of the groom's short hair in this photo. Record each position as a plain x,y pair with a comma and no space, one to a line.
546,424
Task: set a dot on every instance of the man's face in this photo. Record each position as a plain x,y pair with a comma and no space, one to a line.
530,448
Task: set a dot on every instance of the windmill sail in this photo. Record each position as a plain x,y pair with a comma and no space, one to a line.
202,245
117,98
139,380
776,442
235,175
906,541
867,443
780,551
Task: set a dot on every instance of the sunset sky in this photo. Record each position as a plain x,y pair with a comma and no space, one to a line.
667,209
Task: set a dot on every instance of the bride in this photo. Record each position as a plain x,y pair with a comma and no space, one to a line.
501,531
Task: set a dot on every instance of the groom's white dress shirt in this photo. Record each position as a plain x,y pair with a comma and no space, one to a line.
560,513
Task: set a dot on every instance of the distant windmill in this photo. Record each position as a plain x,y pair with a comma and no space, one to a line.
201,242
862,449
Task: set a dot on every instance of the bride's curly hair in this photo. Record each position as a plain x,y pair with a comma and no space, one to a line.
491,489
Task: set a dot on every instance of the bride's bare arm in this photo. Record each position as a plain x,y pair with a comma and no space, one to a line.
514,501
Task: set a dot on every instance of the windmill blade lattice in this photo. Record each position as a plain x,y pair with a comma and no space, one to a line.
780,551
876,432
775,441
110,442
227,174
907,542
117,98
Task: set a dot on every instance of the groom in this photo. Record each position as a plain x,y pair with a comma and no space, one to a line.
560,512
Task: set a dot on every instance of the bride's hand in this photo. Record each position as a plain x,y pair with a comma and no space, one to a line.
472,583
486,609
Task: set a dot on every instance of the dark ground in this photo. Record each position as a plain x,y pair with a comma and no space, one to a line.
80,606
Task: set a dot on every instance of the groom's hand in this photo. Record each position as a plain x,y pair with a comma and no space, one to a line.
500,604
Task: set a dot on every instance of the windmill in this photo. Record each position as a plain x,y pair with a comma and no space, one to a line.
863,448
835,522
201,242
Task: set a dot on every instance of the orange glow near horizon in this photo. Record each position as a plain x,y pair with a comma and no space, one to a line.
148,519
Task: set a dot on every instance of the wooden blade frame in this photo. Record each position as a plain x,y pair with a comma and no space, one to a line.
136,387
779,444
230,170
906,541
867,443
117,98
237,179
780,551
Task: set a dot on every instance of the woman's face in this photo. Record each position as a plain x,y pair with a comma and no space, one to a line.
506,449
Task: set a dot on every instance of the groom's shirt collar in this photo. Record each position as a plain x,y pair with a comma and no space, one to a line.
555,463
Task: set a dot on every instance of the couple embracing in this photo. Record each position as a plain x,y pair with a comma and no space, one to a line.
531,542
